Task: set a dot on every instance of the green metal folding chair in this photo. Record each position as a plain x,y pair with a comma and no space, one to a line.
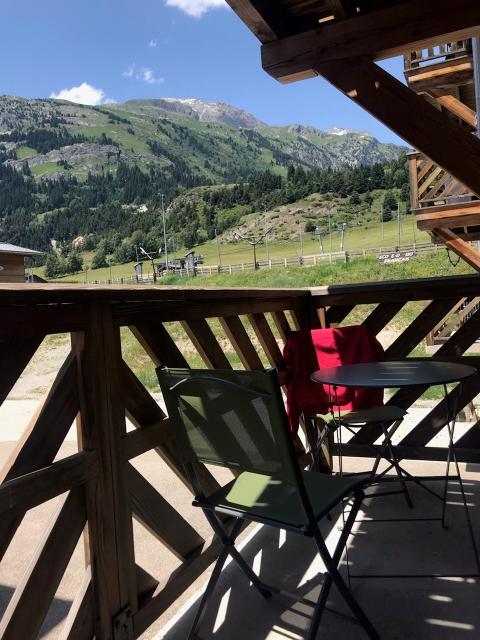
236,419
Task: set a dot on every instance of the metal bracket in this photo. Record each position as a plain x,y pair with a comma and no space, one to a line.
123,624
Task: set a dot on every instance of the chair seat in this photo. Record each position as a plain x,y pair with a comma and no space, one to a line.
386,413
262,498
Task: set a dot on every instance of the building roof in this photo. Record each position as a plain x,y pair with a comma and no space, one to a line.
6,247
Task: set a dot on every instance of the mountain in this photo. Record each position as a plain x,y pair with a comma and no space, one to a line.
213,141
218,112
69,170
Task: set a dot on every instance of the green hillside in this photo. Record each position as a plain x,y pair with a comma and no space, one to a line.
78,179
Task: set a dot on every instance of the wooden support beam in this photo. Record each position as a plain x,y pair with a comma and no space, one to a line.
455,106
425,322
256,21
143,439
421,124
79,622
460,247
335,315
381,316
437,418
103,426
145,413
30,490
14,357
159,345
376,35
32,597
160,518
46,431
448,216
206,344
238,336
267,340
282,325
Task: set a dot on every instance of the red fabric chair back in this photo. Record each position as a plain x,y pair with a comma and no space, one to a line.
308,351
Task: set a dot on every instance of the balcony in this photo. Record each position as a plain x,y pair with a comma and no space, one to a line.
440,201
447,65
98,535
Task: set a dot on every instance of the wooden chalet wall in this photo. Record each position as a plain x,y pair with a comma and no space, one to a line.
98,488
12,267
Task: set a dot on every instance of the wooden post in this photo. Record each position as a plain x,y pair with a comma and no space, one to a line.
109,513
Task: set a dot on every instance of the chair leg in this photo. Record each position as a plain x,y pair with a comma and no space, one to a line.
228,541
396,464
208,592
334,577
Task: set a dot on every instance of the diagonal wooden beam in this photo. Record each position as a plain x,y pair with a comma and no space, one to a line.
41,440
160,518
421,124
14,357
425,322
455,106
48,428
461,247
238,336
144,412
206,343
159,345
382,315
376,35
267,340
79,622
31,599
256,20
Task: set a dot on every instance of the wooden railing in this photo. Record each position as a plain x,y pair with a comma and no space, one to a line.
99,488
437,53
430,185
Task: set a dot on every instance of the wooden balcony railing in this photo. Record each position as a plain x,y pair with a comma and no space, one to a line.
431,186
438,53
98,487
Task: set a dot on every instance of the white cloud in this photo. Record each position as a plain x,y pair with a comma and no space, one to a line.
153,43
195,8
83,94
144,74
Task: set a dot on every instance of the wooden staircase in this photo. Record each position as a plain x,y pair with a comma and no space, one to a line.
444,207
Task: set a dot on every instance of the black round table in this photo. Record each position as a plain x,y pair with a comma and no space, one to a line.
393,374
401,374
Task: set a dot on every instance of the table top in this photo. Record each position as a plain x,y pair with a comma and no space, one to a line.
393,374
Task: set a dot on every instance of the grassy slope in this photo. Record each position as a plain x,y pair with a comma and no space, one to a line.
237,252
362,270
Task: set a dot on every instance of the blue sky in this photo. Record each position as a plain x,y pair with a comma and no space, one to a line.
95,51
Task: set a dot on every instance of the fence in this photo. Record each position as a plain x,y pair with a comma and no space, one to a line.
100,489
305,261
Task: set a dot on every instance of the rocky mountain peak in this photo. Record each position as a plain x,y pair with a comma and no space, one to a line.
219,112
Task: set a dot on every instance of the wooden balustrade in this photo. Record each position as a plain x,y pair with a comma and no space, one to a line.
96,386
437,53
431,186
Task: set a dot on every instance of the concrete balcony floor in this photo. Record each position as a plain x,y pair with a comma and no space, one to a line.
400,608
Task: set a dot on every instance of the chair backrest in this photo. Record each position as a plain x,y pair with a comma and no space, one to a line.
230,418
306,351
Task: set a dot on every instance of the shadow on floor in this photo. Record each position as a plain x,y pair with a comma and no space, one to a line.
56,615
400,608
